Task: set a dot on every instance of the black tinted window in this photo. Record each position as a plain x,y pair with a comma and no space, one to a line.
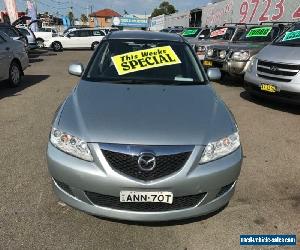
85,33
177,65
9,31
98,33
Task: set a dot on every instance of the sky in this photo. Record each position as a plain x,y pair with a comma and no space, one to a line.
83,6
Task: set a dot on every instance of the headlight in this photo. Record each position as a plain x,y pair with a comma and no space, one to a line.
218,149
210,52
70,144
241,55
251,64
222,54
201,49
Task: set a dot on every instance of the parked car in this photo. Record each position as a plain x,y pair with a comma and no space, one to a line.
175,30
194,34
234,57
275,70
45,34
13,60
229,32
77,39
32,44
143,136
14,33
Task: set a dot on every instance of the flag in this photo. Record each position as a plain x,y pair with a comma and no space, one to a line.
11,9
32,13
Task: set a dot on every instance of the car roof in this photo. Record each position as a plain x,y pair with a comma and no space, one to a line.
145,35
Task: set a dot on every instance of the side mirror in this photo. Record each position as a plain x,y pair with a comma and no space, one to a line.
76,69
214,74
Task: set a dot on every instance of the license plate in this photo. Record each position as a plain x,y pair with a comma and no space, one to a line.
207,63
268,88
148,197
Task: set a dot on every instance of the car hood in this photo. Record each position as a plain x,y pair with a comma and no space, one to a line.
237,46
145,114
279,54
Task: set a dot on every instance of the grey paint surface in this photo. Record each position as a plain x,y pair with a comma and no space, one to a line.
266,198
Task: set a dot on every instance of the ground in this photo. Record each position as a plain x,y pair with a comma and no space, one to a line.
267,198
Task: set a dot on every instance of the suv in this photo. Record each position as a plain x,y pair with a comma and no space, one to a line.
229,32
275,70
234,57
194,34
30,36
14,33
77,39
44,35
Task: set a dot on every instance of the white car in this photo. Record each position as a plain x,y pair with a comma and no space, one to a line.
77,39
44,34
13,60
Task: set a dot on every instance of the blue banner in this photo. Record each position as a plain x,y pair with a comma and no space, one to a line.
131,22
268,240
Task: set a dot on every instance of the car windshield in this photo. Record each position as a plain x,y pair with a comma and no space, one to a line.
142,62
222,33
260,34
191,32
9,31
290,38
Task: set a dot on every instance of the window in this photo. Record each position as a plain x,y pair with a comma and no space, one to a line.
2,40
98,33
24,32
9,31
84,33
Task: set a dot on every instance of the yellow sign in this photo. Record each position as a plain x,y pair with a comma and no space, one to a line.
268,88
145,59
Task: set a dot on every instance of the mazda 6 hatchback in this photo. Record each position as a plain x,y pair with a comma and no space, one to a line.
143,136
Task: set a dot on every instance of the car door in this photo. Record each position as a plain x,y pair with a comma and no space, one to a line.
4,58
98,35
85,37
71,40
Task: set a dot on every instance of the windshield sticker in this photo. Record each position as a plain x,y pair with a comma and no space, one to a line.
293,35
259,32
219,32
145,59
189,32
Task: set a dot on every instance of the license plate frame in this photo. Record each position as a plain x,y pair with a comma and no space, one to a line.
266,87
207,63
146,197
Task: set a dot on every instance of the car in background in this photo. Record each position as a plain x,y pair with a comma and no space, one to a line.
77,39
32,43
194,34
234,57
14,33
174,30
222,34
13,60
143,136
45,34
275,71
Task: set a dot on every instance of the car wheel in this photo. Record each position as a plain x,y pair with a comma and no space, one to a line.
57,46
40,43
15,74
94,45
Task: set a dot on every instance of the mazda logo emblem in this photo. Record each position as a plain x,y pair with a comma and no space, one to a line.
273,68
147,162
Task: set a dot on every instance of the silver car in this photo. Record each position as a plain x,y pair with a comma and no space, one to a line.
30,37
275,71
13,60
143,136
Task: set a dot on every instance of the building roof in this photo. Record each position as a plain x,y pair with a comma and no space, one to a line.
145,35
105,13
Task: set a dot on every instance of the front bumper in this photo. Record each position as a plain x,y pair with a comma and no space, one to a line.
216,180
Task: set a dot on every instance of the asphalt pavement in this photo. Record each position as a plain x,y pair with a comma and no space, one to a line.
267,198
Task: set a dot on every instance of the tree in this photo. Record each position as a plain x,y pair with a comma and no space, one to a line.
165,8
71,17
84,18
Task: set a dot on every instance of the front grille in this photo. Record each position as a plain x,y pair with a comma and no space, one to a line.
277,71
128,164
114,203
64,187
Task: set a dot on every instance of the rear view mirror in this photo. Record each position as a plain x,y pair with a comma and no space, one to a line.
76,69
214,74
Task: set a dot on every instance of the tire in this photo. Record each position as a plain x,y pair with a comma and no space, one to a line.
15,75
94,45
57,46
40,43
